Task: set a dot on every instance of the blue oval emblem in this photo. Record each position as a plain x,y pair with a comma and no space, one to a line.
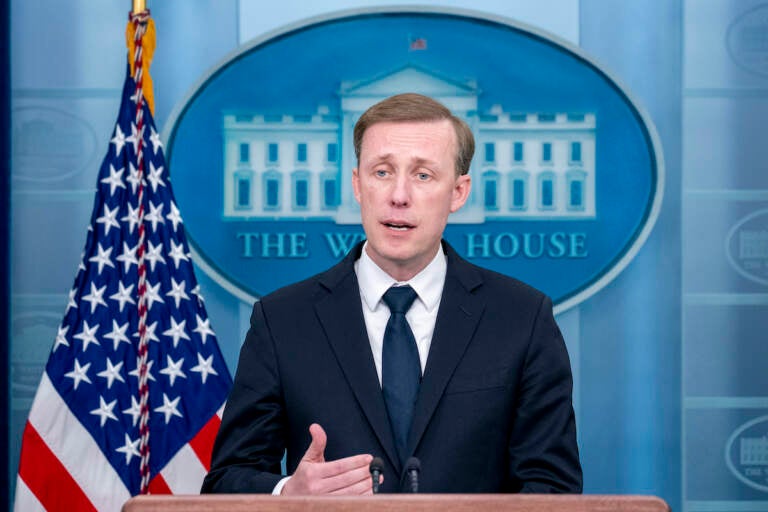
747,247
567,176
746,453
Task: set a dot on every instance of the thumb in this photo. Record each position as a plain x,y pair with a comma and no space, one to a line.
316,450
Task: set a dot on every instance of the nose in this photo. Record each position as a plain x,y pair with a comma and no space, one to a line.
401,191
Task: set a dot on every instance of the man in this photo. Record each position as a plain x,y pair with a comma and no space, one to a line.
470,375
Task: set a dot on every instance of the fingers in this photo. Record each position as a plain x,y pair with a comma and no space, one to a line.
316,450
353,481
345,465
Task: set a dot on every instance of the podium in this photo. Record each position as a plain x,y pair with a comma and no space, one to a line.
397,502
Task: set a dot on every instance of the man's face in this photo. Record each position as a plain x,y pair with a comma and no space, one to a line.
406,185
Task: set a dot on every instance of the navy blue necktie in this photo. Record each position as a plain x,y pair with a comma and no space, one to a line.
400,366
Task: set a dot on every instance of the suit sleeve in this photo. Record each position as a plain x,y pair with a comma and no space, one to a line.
250,443
543,454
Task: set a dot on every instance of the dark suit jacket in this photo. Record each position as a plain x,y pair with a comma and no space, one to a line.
494,409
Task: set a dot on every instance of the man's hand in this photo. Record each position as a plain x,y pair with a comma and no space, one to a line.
315,476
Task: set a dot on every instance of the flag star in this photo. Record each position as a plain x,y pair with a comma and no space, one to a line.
177,331
133,178
128,257
177,292
88,335
154,254
196,292
118,334
61,337
203,328
150,330
112,371
174,216
96,296
173,369
102,258
154,138
135,373
155,215
169,408
134,410
155,176
79,373
109,219
177,254
130,448
132,217
135,137
104,411
123,295
152,295
71,300
204,367
114,180
118,140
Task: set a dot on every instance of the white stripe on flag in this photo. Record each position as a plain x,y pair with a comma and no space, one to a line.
25,501
75,448
184,473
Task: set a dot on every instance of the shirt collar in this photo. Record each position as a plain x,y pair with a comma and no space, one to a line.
374,282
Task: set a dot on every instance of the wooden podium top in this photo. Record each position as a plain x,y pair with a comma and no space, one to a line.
398,502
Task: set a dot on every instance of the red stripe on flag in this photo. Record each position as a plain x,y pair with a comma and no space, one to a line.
202,443
46,476
158,485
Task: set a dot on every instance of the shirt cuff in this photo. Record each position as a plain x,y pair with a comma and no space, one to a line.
279,487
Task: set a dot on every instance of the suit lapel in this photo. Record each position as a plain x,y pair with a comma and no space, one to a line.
340,313
457,319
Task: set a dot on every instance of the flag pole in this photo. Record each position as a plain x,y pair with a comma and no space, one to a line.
139,6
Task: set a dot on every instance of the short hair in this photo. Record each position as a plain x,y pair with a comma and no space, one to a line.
417,107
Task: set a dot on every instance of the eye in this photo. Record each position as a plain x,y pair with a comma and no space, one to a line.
380,173
423,176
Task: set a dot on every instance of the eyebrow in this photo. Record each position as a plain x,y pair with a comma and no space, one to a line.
388,156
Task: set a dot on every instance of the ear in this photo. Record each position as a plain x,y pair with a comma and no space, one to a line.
460,192
356,184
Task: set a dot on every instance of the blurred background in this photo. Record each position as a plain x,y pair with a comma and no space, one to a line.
670,359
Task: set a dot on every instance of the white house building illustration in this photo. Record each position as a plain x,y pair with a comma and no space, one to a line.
527,165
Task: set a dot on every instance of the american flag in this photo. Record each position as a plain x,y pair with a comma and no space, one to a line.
89,424
416,43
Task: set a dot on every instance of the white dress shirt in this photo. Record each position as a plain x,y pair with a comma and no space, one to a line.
428,285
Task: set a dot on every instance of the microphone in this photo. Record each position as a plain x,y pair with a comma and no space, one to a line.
376,468
412,468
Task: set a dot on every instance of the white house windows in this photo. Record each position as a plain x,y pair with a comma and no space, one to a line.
575,156
546,152
300,187
575,186
330,190
517,152
301,152
529,165
491,190
272,181
547,191
518,190
272,153
490,152
243,179
245,153
332,153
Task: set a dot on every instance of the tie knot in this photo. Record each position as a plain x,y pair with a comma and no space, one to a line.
399,298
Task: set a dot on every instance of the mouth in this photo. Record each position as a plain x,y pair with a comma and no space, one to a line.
398,225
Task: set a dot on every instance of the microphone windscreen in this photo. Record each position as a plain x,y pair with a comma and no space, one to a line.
413,464
376,465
